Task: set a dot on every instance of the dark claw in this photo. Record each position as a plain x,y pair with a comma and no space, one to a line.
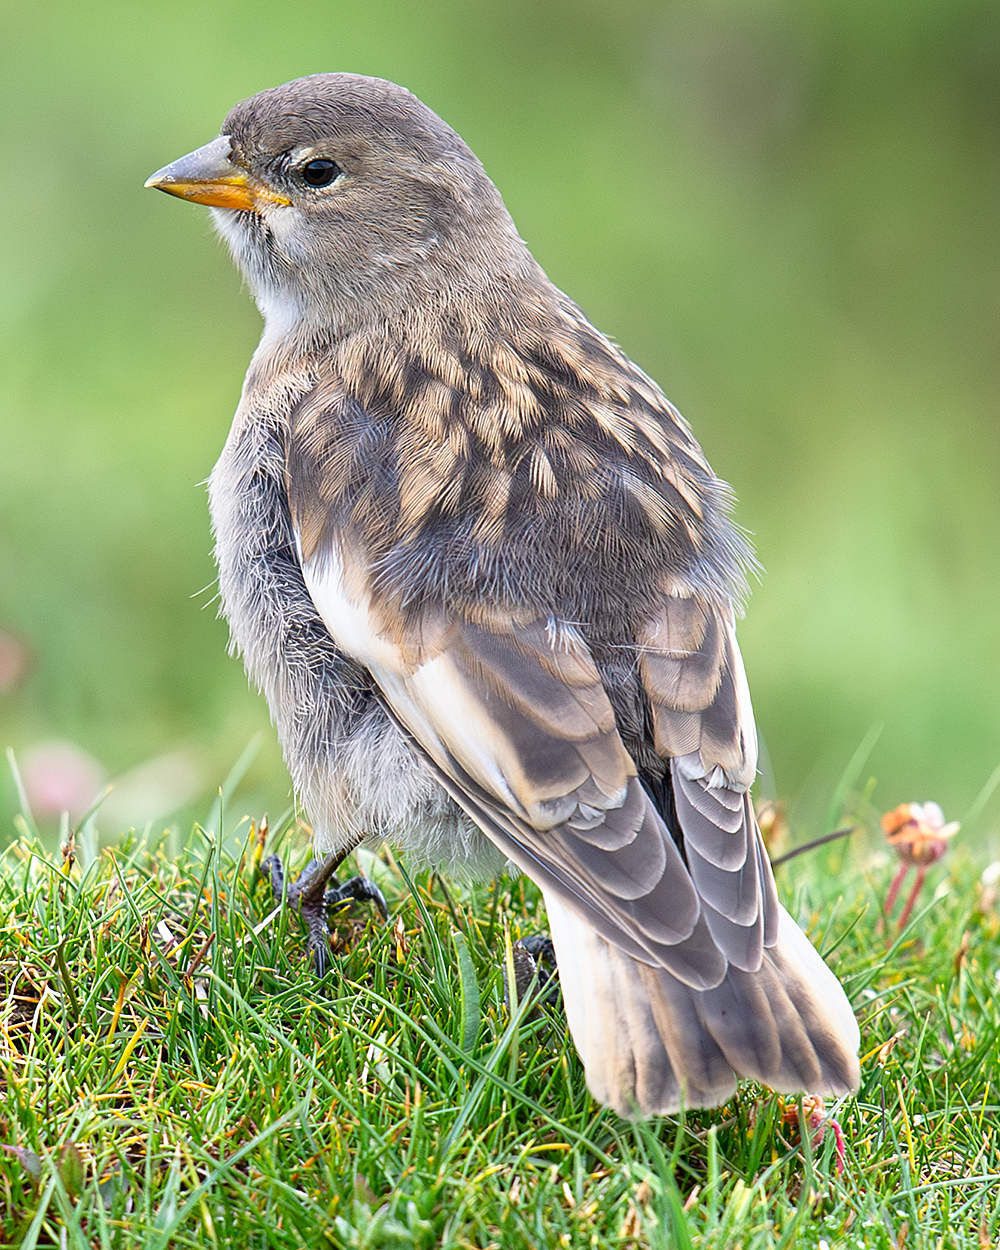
274,870
539,947
360,890
535,962
315,891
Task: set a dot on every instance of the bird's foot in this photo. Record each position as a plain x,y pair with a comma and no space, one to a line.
315,892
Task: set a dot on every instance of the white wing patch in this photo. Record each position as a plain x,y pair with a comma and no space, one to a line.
431,698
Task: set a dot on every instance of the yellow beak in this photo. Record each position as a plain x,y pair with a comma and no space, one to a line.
208,176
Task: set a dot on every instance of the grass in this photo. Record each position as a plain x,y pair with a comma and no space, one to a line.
173,1075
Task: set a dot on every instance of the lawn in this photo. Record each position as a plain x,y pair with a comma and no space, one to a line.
175,1076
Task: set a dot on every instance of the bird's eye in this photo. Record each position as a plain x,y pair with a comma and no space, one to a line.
321,172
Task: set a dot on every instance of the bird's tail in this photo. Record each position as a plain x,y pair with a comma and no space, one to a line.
651,1044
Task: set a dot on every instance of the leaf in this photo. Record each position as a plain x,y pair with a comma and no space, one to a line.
165,1220
113,1189
72,1169
27,1159
678,1218
471,1014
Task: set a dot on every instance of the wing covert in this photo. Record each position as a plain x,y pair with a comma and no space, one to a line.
520,730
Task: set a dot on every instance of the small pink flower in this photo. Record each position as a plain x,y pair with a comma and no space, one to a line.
58,777
919,836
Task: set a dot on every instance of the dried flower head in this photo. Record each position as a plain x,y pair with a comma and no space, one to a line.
816,1120
772,820
917,832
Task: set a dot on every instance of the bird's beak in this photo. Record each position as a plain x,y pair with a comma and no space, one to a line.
208,176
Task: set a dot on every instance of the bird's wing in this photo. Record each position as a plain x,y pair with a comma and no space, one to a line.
513,715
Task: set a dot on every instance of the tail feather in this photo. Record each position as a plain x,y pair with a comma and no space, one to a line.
651,1044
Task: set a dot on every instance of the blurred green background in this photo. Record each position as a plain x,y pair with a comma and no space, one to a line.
786,213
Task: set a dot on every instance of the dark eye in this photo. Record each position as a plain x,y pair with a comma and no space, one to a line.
321,172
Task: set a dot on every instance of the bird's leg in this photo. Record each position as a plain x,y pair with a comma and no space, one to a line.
315,891
309,894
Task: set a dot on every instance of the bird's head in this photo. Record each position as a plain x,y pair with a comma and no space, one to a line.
344,198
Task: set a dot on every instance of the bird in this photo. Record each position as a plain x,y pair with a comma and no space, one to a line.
488,583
